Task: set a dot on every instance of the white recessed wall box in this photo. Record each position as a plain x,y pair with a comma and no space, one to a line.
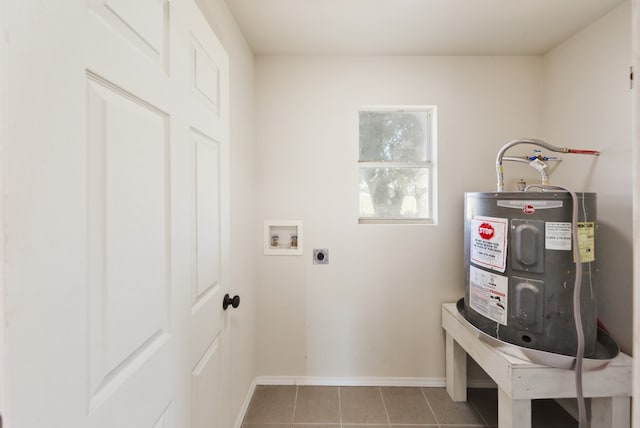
283,238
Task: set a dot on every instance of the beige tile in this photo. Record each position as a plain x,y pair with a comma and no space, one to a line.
317,404
271,404
448,412
421,426
314,426
266,425
407,406
293,426
458,426
374,426
362,405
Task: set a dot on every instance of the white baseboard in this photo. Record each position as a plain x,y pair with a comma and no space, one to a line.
245,405
367,381
349,381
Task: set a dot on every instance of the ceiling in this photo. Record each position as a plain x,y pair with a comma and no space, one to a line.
412,27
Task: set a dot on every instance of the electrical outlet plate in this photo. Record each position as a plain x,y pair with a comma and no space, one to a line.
320,256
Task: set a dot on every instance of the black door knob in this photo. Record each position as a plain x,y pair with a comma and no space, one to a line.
228,300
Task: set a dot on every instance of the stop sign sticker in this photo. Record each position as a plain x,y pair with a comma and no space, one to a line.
486,231
488,242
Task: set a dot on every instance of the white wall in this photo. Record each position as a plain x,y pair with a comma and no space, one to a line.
374,311
587,104
242,320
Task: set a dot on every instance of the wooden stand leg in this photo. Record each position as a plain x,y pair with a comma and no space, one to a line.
513,413
456,370
610,412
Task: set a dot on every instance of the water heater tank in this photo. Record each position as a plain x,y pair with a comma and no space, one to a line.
520,270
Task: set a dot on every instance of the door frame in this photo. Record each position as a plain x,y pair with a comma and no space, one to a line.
635,144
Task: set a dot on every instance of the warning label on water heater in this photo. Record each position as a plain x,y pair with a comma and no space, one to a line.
586,241
488,294
488,242
557,235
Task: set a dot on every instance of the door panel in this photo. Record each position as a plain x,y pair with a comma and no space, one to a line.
205,394
207,214
144,23
117,216
206,76
207,320
164,419
128,232
209,136
208,81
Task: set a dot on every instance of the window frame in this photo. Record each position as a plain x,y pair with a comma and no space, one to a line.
430,164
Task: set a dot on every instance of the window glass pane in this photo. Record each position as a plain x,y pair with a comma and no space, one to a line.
394,192
395,136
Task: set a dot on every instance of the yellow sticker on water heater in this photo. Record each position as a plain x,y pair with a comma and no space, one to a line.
586,241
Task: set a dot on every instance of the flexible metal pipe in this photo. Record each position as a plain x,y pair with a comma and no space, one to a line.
583,422
536,142
543,174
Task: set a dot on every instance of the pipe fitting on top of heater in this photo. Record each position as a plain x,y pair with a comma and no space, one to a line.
535,142
544,178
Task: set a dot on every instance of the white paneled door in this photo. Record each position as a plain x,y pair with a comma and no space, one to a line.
117,216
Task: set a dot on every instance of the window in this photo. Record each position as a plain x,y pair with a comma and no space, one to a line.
396,165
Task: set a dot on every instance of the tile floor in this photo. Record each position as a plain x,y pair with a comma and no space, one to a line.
394,407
